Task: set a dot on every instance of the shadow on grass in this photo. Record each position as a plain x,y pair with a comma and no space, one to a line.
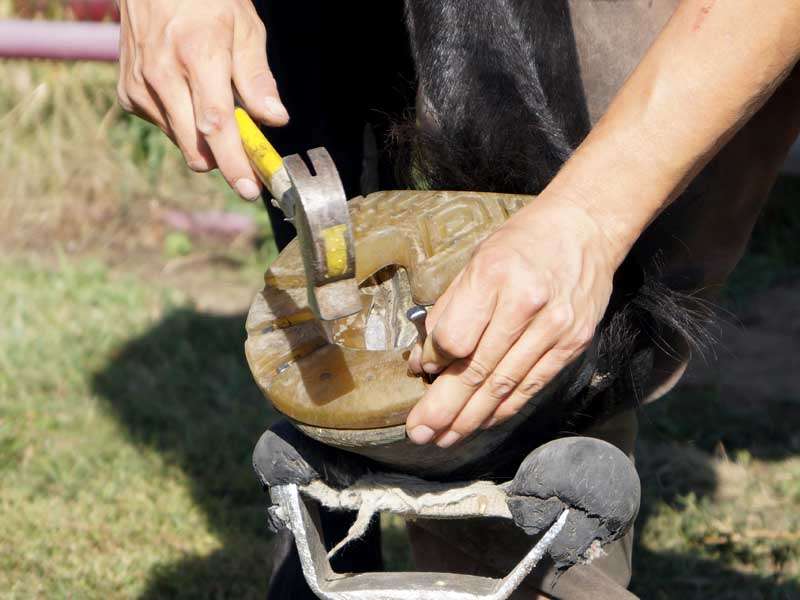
698,417
678,438
668,575
184,389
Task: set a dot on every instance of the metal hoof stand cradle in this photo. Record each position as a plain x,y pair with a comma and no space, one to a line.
571,496
328,342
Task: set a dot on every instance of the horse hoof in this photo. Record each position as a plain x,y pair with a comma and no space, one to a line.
284,455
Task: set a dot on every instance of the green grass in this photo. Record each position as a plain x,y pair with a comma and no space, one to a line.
721,507
79,169
126,423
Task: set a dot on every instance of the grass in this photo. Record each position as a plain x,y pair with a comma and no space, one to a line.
79,170
721,515
64,141
127,419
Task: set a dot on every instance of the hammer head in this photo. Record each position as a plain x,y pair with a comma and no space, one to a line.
325,235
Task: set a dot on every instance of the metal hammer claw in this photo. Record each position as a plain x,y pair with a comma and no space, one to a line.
317,205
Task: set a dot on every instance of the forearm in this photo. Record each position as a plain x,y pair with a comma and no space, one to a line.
711,68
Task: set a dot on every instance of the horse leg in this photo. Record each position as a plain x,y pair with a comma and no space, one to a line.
340,68
700,238
704,234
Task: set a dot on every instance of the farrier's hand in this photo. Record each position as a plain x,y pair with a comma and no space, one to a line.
525,306
182,62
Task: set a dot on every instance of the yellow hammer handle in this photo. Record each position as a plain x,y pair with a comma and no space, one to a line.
268,165
266,162
263,157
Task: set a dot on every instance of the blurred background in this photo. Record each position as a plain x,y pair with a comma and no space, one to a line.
128,414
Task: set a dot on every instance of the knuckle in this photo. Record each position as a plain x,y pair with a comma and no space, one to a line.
490,263
474,373
529,387
573,344
123,100
137,97
136,76
185,50
258,30
501,386
538,294
561,316
188,44
155,71
223,20
449,343
210,120
581,339
532,298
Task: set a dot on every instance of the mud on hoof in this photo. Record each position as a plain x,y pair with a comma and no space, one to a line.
591,477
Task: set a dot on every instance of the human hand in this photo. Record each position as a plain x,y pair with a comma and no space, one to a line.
524,307
182,62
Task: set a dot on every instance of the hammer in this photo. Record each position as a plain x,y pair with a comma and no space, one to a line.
317,206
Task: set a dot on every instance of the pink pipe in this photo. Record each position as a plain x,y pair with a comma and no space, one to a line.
63,40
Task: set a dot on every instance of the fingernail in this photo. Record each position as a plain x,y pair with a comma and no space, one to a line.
448,439
276,109
200,165
490,422
421,434
431,368
247,188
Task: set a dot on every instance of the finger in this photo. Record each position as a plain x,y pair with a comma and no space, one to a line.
545,370
415,358
511,319
143,103
435,312
252,77
414,362
509,377
176,99
569,346
212,98
454,389
443,401
461,324
125,59
132,90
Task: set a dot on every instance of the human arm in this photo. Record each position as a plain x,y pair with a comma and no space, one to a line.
183,62
530,299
